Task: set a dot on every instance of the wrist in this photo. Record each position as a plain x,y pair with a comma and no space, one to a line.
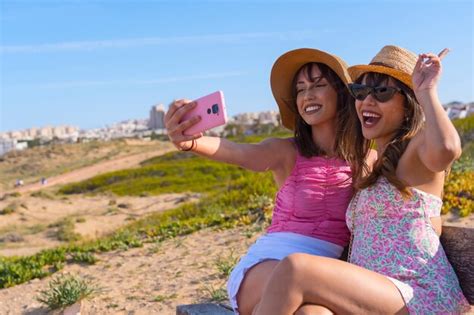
426,96
189,146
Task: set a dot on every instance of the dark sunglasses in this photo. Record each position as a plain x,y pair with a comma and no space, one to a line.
380,93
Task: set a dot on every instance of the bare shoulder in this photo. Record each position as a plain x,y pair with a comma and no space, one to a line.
283,154
281,150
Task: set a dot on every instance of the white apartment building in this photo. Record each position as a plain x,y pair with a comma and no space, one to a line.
7,145
457,110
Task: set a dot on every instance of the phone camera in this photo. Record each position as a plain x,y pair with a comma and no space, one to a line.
208,111
215,109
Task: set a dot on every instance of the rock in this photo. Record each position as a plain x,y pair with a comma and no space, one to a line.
74,309
458,243
11,237
203,309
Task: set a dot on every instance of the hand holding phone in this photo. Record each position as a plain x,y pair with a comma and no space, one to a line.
211,109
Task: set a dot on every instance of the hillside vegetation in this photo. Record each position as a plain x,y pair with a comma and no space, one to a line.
233,197
55,159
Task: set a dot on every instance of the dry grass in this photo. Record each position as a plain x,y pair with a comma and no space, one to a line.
47,161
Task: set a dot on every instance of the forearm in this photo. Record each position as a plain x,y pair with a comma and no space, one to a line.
217,149
245,155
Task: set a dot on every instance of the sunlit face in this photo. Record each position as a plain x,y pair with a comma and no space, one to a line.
381,120
316,99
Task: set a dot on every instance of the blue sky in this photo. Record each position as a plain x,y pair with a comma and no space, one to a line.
90,63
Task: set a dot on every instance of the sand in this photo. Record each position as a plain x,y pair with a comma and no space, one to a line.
153,279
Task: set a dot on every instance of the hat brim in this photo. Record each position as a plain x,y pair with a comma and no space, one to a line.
357,71
284,70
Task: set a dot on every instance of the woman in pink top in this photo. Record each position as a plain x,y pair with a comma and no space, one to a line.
398,264
310,88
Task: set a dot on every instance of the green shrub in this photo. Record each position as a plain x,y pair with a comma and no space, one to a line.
83,257
164,298
80,220
11,208
218,294
465,128
225,264
178,172
66,290
34,229
42,194
459,193
65,231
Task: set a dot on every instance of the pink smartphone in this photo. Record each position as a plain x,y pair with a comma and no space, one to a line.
211,108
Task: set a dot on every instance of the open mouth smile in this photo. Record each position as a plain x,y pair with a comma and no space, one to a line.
311,109
370,119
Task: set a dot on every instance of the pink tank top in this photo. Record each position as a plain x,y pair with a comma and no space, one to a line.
313,200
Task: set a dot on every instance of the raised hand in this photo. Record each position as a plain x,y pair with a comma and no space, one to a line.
427,71
175,126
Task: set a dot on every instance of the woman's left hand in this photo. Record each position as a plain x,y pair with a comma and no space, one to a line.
427,71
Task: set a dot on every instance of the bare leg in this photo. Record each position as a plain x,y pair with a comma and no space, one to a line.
251,289
341,287
309,309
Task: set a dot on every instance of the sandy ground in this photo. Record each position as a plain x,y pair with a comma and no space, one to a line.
452,219
153,279
31,227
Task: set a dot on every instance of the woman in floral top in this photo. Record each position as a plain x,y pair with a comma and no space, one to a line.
397,264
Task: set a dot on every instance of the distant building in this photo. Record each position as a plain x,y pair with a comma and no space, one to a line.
45,132
7,145
457,110
267,117
157,117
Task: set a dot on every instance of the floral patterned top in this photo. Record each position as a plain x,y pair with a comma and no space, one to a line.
394,237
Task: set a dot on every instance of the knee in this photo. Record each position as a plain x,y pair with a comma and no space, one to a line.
295,264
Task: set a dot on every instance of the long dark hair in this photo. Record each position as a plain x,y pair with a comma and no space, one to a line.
303,134
386,164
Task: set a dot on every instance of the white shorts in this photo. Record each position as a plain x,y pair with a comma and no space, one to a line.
277,246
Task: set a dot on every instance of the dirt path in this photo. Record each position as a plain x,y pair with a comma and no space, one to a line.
94,170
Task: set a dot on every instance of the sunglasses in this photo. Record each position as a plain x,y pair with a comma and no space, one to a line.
380,93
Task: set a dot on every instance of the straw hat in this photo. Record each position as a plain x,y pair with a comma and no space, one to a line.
284,70
394,61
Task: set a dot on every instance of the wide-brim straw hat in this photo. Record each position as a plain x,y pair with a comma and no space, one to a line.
283,73
392,60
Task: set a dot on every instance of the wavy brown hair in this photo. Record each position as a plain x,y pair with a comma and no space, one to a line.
303,134
386,164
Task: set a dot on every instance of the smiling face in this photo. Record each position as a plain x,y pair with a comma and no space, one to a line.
381,120
316,99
